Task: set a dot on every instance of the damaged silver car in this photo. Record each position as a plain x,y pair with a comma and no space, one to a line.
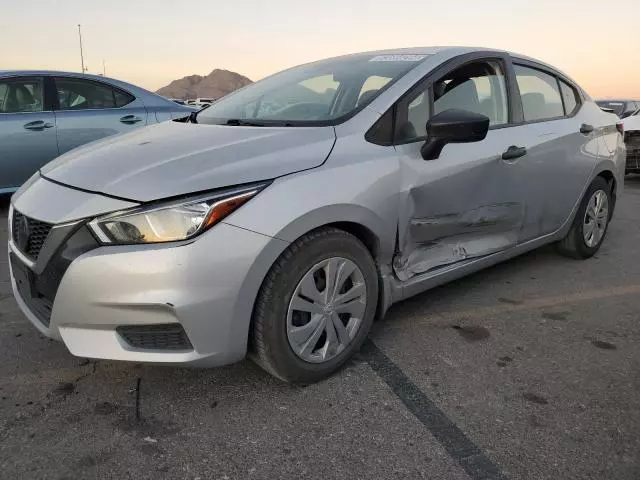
285,217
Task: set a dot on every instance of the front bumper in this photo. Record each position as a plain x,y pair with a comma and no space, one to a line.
207,286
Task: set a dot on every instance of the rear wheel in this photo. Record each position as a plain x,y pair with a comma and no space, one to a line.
591,223
315,307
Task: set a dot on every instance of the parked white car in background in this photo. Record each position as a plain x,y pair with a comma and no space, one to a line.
632,141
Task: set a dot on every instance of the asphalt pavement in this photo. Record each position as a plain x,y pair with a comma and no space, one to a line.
527,370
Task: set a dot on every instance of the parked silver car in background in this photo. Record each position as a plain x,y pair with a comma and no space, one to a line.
44,114
286,216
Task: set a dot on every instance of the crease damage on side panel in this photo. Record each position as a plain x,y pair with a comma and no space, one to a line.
445,239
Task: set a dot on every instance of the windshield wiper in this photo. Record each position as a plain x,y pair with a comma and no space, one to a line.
256,123
238,122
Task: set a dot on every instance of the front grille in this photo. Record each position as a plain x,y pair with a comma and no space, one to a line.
632,142
169,336
29,234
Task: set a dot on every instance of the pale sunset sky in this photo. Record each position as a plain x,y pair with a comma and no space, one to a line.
150,43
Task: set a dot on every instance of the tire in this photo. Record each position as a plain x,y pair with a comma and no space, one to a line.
275,319
575,245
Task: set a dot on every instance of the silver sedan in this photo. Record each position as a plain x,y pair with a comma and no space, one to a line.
286,216
44,114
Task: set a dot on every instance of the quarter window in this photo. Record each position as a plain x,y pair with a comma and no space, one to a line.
539,93
122,98
570,98
21,95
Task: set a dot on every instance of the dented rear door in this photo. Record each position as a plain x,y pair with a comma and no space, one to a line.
466,204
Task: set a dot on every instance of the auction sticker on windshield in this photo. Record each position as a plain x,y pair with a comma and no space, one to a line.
398,58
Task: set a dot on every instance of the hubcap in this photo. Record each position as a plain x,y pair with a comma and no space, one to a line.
326,310
596,218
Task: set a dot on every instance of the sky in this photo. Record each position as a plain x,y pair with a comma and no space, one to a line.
150,43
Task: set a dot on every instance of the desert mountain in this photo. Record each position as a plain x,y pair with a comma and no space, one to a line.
215,85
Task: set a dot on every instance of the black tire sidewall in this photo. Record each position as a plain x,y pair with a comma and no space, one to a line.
581,246
274,325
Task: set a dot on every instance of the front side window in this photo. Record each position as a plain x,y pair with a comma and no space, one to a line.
323,91
570,98
21,95
478,87
75,94
539,93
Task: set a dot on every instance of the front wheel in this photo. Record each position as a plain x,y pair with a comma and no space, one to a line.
591,223
315,307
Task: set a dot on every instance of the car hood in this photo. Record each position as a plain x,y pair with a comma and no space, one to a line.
172,158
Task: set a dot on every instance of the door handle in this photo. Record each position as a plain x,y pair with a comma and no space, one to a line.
586,129
38,125
130,119
514,152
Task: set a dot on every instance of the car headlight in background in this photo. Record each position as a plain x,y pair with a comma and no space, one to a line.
173,221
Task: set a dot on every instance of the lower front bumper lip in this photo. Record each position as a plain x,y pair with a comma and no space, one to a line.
102,343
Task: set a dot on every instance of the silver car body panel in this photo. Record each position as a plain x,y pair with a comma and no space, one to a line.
70,204
174,158
426,222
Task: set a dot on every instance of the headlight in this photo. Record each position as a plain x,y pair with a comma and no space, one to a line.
170,222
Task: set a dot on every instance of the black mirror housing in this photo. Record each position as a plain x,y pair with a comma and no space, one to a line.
453,126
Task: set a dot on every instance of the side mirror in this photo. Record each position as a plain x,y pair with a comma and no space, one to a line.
453,126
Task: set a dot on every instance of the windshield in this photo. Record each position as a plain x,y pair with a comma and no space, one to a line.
617,107
317,93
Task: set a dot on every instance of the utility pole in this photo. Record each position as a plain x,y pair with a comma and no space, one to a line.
81,54
104,69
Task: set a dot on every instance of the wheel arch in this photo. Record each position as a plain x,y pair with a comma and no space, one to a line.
353,219
607,172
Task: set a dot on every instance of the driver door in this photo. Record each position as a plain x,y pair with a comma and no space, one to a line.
469,202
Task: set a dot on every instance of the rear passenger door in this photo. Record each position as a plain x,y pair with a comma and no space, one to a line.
88,110
562,147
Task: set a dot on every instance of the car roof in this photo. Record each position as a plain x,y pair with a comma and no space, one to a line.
149,98
87,76
453,51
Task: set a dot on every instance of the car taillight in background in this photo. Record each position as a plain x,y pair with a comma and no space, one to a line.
620,128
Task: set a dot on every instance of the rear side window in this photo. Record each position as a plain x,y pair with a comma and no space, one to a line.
78,94
539,93
569,97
